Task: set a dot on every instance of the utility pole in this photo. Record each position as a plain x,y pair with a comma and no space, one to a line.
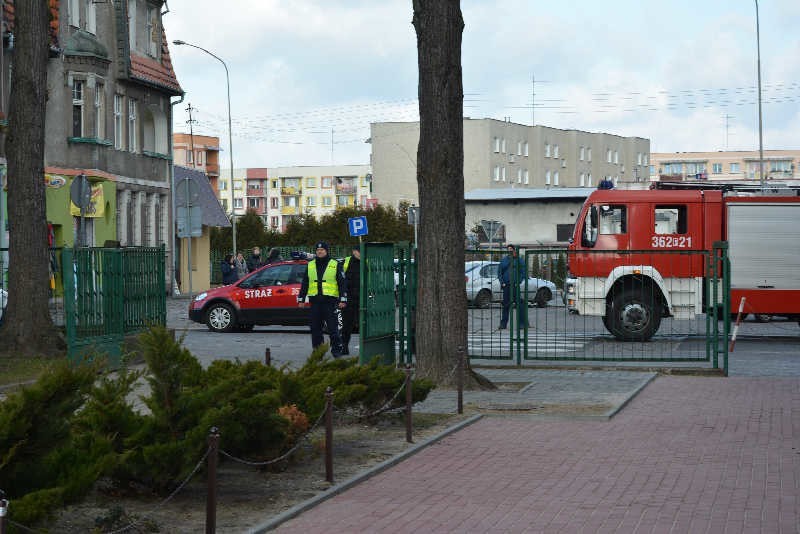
331,146
760,122
190,122
727,118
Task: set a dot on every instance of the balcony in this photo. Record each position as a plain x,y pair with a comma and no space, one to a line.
289,210
255,192
212,169
290,191
345,188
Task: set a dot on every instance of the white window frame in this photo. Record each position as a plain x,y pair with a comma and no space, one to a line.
555,178
716,168
237,203
496,145
547,150
496,173
609,155
503,174
75,13
526,177
616,157
199,157
311,202
327,202
519,175
503,145
78,91
547,178
582,153
589,180
519,148
582,183
589,154
91,16
555,151
133,108
273,203
153,35
525,149
132,24
99,111
222,184
119,100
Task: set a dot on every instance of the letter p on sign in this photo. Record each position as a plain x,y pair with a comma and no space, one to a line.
357,226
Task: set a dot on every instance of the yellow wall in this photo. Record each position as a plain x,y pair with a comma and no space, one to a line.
201,254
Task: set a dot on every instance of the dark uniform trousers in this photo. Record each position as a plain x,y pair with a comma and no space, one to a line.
324,310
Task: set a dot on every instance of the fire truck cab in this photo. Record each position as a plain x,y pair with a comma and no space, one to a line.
662,272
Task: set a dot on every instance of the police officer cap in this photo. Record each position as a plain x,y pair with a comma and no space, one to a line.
323,244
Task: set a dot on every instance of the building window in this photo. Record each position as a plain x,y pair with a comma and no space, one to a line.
547,150
555,151
652,170
199,157
589,179
716,168
311,201
327,181
132,23
616,157
326,201
503,174
519,148
118,141
91,16
780,166
582,183
99,111
223,184
496,145
582,154
555,178
153,34
132,146
311,182
77,108
74,13
547,178
639,158
237,184
588,154
608,155
189,156
525,178
519,176
525,149
273,221
503,145
237,203
496,175
252,203
273,202
564,232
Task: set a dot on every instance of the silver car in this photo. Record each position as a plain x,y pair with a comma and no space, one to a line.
483,286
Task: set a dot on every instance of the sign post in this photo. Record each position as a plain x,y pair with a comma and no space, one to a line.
358,226
80,193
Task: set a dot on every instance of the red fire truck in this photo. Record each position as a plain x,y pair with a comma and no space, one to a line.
662,272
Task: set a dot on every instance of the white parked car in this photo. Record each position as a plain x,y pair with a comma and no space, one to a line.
483,286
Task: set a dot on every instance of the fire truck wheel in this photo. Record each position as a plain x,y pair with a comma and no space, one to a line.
543,296
220,318
633,317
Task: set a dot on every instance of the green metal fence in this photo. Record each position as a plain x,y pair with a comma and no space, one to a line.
109,293
377,330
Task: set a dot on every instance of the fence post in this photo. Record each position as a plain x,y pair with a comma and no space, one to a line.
267,356
408,404
460,379
211,498
3,511
329,434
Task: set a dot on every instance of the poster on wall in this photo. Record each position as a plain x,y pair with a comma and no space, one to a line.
96,207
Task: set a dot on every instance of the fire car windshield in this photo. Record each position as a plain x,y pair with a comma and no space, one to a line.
603,220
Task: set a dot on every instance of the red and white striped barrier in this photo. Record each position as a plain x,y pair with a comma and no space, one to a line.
736,326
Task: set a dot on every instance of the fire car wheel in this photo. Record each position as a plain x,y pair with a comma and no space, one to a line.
483,299
220,318
633,317
543,296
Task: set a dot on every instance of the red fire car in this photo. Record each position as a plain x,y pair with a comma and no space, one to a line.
267,296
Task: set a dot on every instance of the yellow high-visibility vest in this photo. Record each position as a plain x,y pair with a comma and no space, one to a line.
329,286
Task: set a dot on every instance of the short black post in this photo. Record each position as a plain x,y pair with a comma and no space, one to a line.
329,434
267,357
211,496
460,379
3,511
408,404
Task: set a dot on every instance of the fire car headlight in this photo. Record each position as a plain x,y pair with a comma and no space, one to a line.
571,289
201,296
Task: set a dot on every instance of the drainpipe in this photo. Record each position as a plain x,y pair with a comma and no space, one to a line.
175,260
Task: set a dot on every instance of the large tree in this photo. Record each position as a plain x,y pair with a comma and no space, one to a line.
27,327
441,321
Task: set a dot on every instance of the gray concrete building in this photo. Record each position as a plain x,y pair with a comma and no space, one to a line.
506,155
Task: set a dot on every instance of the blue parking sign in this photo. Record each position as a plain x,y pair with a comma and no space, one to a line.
358,226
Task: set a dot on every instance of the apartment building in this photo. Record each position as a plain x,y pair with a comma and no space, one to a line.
198,152
502,154
779,165
281,194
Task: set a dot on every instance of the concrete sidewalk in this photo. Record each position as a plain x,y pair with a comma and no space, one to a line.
687,454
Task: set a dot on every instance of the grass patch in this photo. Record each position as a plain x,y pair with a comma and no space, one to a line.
19,369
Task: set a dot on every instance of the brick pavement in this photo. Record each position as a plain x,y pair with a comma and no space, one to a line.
688,454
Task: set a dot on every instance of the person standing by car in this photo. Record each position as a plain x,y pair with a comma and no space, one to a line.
241,265
274,256
352,274
228,267
254,261
326,289
511,272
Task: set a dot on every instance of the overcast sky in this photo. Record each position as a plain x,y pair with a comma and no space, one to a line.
305,72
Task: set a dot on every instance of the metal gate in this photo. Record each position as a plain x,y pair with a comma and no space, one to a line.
109,293
541,327
377,303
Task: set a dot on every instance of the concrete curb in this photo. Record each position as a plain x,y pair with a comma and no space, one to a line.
296,510
614,411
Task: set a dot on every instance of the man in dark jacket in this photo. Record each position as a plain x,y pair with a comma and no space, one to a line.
352,274
511,273
326,289
254,261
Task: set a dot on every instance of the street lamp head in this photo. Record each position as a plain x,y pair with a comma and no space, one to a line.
178,42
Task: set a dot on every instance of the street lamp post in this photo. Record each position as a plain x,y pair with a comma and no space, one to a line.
760,135
230,134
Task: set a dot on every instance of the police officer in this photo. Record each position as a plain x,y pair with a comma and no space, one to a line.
352,273
325,286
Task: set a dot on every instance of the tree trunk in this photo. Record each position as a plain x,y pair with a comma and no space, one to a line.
27,327
441,320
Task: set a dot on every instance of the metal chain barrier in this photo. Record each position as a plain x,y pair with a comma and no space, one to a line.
282,456
26,529
167,499
386,406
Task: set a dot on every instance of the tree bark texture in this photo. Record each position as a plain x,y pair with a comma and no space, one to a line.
27,327
441,320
